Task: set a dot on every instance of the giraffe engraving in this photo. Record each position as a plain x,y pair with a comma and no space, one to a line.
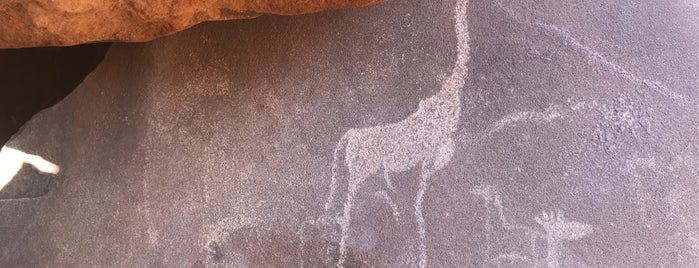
557,231
424,138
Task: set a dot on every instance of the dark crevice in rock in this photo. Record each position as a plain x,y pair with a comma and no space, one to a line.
34,79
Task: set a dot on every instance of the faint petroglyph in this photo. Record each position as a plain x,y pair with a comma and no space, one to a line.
691,162
551,113
423,138
496,219
645,173
680,202
611,66
394,208
623,121
548,115
152,233
593,55
12,160
664,193
556,230
513,259
406,258
317,230
633,170
693,239
226,226
683,199
215,234
618,120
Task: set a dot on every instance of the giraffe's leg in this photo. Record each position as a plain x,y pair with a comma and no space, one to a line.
552,254
386,173
532,247
331,198
345,222
391,203
419,218
444,154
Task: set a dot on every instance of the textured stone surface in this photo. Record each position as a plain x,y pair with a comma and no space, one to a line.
576,143
29,23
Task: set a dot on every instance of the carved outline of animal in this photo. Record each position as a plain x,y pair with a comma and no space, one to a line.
12,160
559,230
556,230
492,200
424,137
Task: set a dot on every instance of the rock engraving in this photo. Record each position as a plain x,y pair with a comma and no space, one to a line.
556,230
595,56
424,138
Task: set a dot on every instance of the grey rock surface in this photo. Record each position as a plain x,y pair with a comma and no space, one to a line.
567,138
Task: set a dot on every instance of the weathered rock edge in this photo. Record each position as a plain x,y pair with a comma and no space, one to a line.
31,23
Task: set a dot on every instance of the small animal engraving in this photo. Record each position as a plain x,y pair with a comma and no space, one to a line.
556,230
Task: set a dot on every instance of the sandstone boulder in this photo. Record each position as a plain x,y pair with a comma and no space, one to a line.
480,134
68,22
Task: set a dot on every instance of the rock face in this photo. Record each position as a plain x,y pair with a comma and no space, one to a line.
407,134
69,22
34,79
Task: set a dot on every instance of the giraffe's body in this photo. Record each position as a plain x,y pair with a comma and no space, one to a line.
424,138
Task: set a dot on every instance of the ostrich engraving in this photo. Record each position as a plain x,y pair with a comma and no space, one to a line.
424,138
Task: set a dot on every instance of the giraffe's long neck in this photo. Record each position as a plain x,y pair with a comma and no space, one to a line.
457,79
449,97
